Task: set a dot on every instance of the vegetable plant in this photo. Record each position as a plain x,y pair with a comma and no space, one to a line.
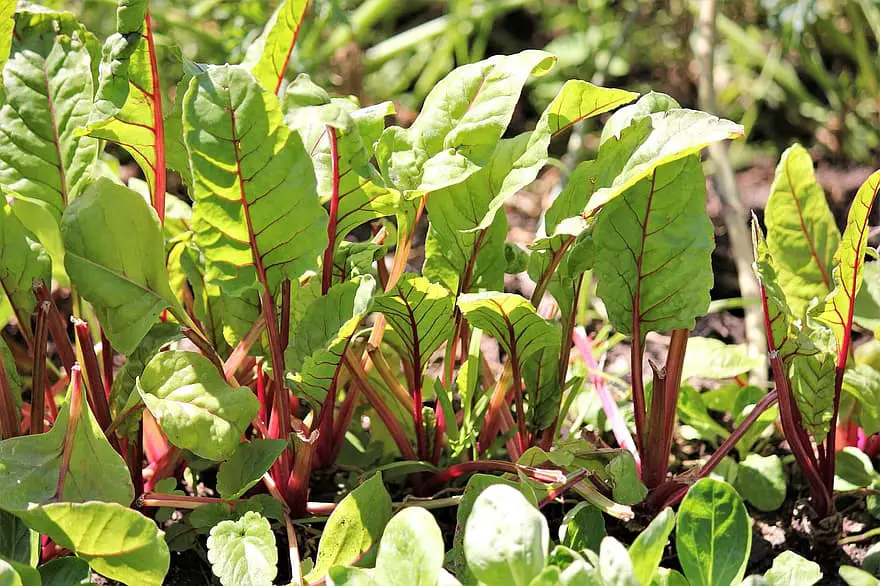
271,327
810,276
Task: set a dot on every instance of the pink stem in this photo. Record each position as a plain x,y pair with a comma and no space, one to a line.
618,426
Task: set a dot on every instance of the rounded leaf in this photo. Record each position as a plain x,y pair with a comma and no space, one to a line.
242,552
506,539
713,536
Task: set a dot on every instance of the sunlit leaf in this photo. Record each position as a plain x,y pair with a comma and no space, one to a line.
128,548
256,216
268,56
118,265
243,552
194,406
802,235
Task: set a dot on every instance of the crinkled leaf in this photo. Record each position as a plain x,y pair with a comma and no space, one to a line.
663,137
713,535
411,550
511,320
761,481
802,235
460,124
115,256
31,466
48,85
790,569
256,215
194,406
849,263
713,359
247,465
127,547
268,56
243,552
778,312
363,196
421,314
812,384
541,376
22,260
354,527
128,104
506,539
647,550
653,252
323,332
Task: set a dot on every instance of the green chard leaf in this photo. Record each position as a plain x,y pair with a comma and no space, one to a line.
363,196
60,464
48,82
128,548
511,320
653,251
460,124
713,536
849,264
128,104
22,260
268,56
194,406
243,552
465,229
778,312
801,233
68,571
421,314
17,542
256,217
353,528
583,527
118,265
812,384
654,141
615,566
323,333
863,383
7,25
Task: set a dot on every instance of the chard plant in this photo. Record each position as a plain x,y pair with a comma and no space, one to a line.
256,331
810,276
